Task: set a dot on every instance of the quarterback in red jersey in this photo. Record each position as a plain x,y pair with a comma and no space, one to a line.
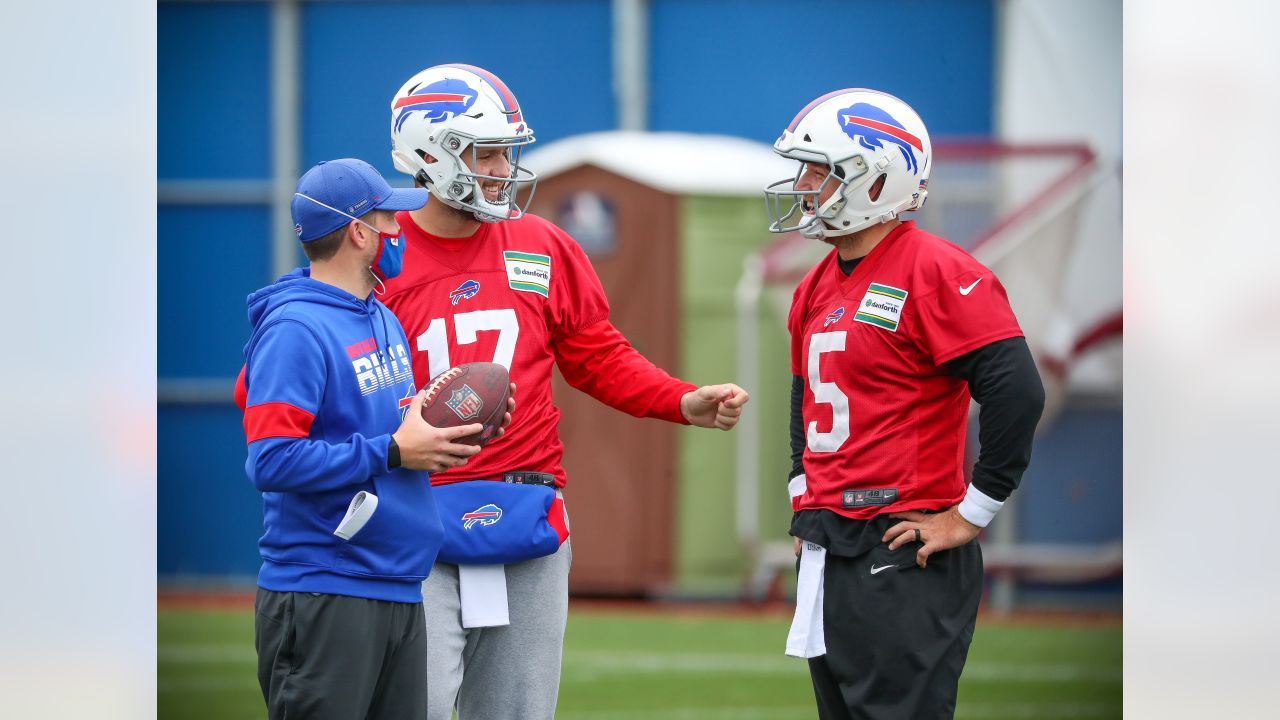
484,281
891,335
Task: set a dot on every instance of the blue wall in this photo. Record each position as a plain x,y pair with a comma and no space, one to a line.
209,516
555,56
210,258
213,91
740,67
747,68
1073,490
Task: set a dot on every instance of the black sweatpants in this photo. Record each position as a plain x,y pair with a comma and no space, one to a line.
333,657
896,639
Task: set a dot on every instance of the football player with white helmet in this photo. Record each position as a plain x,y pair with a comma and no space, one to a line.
891,335
476,261
458,131
866,166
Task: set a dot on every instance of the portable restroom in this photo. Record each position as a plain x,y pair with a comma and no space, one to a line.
667,220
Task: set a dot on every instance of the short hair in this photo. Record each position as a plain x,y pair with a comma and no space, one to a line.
327,246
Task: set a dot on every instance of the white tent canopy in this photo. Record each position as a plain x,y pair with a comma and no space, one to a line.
677,163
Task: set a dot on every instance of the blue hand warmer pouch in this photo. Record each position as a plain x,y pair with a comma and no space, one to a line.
488,522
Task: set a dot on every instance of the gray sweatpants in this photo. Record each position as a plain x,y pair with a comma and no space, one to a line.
498,673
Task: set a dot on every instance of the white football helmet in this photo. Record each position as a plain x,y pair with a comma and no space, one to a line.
447,110
860,135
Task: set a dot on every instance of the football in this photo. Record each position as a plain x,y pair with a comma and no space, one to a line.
469,393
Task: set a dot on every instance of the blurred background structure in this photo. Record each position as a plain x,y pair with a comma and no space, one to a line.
653,120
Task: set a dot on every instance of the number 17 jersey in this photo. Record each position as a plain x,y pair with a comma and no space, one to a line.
884,421
504,295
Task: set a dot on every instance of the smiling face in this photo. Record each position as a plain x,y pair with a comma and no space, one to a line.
493,162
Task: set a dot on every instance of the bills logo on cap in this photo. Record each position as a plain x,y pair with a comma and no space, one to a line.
441,100
834,317
297,229
872,127
465,291
465,403
484,515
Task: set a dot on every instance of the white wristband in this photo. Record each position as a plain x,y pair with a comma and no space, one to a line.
797,486
977,507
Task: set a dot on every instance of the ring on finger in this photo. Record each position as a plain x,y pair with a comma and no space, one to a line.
918,535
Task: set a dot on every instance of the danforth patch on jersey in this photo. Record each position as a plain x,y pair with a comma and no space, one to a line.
882,307
528,272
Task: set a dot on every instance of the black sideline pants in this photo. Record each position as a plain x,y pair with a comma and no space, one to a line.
897,639
333,657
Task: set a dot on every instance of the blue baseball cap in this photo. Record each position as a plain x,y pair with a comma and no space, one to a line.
333,192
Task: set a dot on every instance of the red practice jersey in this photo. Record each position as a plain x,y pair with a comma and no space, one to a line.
523,294
884,422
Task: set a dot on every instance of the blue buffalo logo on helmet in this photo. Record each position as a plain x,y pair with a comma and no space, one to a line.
441,100
872,127
484,515
465,291
834,317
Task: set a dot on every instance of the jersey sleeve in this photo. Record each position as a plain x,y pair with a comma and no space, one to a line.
577,298
1003,379
284,384
600,361
795,326
967,308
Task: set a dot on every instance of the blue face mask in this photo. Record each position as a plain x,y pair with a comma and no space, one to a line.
390,258
387,263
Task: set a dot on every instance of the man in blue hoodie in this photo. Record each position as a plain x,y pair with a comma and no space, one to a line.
338,446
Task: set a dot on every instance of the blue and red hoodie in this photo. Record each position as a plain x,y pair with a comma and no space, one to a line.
327,380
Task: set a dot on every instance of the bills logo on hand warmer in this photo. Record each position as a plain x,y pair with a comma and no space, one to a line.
485,515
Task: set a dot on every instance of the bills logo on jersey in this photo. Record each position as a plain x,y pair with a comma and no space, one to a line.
465,291
440,101
834,317
465,403
484,515
872,127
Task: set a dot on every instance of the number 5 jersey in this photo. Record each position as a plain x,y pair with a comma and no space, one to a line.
523,294
884,421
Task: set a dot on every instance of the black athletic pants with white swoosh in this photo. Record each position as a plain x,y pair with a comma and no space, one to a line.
896,640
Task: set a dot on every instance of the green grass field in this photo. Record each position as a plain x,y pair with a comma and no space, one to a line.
647,666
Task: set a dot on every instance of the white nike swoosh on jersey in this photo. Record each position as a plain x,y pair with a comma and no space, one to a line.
967,290
875,569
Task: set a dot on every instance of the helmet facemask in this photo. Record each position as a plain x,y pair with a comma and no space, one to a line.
821,220
458,185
